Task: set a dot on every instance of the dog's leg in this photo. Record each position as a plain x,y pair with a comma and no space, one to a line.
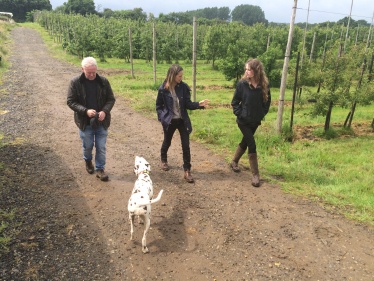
131,217
147,223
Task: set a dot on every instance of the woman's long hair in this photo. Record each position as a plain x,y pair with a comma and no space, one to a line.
259,75
172,73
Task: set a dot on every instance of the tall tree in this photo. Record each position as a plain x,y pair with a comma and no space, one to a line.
82,7
20,8
249,14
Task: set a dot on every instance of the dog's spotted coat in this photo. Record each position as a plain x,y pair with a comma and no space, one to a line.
142,198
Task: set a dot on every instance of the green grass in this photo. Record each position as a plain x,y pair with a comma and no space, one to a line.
5,29
335,171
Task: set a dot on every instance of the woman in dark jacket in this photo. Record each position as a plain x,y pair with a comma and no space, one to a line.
250,103
172,102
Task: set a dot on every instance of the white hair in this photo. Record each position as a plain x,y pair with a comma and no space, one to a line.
89,61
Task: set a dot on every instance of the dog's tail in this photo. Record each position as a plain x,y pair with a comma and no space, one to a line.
147,202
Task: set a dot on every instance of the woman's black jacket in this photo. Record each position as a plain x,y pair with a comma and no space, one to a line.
164,105
248,104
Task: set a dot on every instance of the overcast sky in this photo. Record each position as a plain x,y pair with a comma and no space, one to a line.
275,10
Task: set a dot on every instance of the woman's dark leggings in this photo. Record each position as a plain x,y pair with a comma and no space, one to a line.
185,139
248,138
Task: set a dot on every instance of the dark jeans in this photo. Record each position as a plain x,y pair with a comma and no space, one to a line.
248,138
185,139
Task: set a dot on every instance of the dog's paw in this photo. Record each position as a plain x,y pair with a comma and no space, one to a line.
145,250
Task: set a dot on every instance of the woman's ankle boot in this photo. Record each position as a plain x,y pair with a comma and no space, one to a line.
235,160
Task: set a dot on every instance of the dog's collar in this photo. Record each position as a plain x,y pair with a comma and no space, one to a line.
143,172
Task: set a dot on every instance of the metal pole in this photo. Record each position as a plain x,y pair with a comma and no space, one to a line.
285,69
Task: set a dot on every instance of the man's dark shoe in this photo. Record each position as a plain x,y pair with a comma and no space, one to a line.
89,167
188,177
101,175
164,166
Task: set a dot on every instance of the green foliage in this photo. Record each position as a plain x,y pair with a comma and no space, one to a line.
19,8
269,59
30,15
233,66
213,46
82,7
249,14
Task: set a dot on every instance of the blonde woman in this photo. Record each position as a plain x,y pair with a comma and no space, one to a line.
250,104
172,102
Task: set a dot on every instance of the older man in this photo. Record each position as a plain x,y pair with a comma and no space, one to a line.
91,98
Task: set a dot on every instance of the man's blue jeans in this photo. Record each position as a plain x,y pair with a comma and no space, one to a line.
90,137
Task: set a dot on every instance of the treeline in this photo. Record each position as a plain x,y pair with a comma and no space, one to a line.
20,8
225,46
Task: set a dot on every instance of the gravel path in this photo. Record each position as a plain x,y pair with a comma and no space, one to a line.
71,226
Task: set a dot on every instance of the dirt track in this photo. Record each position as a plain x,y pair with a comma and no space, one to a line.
74,227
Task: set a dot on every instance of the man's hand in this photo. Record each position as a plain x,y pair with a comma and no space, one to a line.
91,113
101,115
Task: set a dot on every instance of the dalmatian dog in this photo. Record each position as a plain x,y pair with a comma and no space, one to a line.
142,198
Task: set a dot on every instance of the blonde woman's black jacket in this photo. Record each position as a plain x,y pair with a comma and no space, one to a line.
164,105
77,100
248,104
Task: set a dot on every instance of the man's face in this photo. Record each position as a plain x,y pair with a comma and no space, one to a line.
90,72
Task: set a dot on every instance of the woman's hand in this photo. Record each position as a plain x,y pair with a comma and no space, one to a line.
204,103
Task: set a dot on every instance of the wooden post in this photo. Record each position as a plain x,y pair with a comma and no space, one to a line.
332,36
176,50
306,27
154,53
371,67
367,42
311,52
132,66
75,39
285,69
294,88
349,19
358,27
324,55
341,34
194,60
67,26
59,31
